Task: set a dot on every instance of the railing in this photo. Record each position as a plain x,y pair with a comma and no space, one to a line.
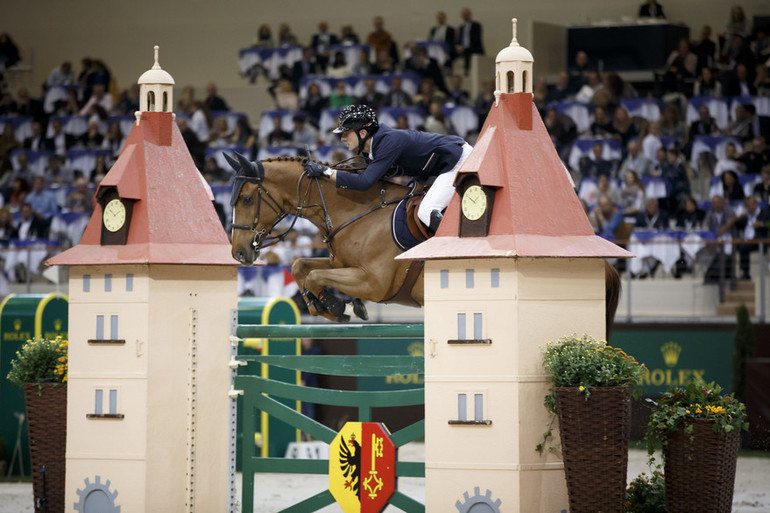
262,394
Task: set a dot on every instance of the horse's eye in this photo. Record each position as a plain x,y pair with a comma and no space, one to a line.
248,201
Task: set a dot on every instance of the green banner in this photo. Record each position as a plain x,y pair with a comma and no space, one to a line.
391,346
675,357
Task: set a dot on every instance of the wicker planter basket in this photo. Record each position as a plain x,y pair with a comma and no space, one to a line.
594,439
47,427
700,476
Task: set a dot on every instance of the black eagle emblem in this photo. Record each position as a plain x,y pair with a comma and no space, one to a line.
350,464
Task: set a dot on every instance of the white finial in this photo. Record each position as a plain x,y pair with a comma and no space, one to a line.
157,65
514,42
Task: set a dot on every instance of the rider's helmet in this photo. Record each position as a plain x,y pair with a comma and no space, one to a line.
356,118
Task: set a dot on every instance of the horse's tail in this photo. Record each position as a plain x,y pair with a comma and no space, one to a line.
612,291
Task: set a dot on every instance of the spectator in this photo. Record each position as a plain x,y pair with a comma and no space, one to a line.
561,91
37,141
743,124
278,136
371,97
81,198
632,194
340,67
651,9
721,220
443,33
704,125
101,168
578,72
200,120
739,83
690,217
213,173
93,138
7,230
740,54
285,36
562,131
428,94
457,95
21,170
347,36
485,100
756,156
762,80
8,107
469,39
595,165
42,200
29,107
8,141
623,126
653,218
321,44
18,195
314,103
707,85
604,187
425,66
762,190
128,101
607,218
671,124
635,161
59,140
737,25
303,67
380,39
195,146
100,98
383,64
435,121
61,75
29,226
590,88
761,44
72,105
220,133
402,123
602,124
363,66
114,141
242,135
264,37
675,172
304,134
705,49
397,97
340,96
752,224
681,69
730,161
731,186
214,102
56,172
9,52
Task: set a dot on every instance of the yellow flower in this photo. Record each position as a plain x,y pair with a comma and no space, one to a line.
698,410
581,388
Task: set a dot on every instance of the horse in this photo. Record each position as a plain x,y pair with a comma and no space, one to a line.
356,228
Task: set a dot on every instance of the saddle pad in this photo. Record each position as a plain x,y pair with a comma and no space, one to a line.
399,228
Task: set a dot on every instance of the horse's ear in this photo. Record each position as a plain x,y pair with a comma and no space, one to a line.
250,169
233,163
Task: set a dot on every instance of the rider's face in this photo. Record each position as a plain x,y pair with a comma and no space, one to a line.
350,140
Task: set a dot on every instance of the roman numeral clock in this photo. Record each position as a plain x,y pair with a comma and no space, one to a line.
116,216
476,202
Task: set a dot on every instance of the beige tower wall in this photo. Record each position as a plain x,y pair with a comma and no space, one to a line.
146,454
537,300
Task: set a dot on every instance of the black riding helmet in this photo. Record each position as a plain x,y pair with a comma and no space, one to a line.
357,117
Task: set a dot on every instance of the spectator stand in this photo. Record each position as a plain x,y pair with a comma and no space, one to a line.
56,94
414,116
581,113
22,126
747,183
712,143
266,121
67,227
762,104
84,160
356,84
38,160
647,108
74,125
352,52
22,258
270,59
231,117
583,148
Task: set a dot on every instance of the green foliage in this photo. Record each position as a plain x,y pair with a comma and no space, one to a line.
647,494
584,362
40,361
744,350
678,406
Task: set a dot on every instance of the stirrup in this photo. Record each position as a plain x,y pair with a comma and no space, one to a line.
435,220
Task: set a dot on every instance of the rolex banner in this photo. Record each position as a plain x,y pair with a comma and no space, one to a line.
676,357
362,467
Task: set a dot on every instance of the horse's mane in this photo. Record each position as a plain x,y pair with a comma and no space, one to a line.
301,160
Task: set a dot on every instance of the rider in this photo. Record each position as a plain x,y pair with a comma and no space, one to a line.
421,155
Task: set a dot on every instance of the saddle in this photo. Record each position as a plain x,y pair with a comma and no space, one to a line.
418,230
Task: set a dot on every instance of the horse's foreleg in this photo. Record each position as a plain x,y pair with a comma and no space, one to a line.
299,270
352,281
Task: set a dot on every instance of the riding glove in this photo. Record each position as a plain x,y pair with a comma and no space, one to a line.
314,169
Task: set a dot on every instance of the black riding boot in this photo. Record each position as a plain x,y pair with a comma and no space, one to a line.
435,220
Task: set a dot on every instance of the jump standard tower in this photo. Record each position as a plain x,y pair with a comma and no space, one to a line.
152,286
513,265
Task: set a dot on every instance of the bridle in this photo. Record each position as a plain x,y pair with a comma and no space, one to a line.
262,239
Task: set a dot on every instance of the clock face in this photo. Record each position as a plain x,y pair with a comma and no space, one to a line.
474,203
114,216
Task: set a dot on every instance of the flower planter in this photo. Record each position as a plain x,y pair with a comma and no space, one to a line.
700,475
47,427
594,439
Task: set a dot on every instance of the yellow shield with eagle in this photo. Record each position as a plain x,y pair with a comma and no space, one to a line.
362,467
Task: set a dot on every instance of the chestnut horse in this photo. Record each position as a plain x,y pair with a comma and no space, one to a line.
355,226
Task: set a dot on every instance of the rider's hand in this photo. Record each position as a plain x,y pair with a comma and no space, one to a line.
314,169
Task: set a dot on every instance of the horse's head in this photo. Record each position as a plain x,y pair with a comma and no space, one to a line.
255,210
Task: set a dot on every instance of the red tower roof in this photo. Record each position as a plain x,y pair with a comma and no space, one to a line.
173,221
536,211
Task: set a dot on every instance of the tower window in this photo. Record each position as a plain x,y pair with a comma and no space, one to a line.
112,406
165,102
444,278
462,407
461,326
462,411
114,327
469,278
114,401
108,283
100,327
510,82
495,276
524,81
151,101
86,283
477,329
129,282
99,401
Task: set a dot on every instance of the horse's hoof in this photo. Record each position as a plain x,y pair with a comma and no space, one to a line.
332,303
360,309
343,318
